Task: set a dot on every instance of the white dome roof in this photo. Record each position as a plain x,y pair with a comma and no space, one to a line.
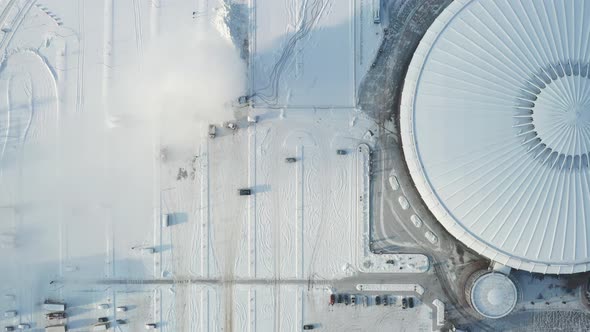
495,124
494,295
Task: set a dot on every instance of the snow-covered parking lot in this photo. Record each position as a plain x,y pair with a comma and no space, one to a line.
104,110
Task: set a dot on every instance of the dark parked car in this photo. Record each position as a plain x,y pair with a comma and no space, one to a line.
103,319
386,300
308,327
346,299
341,152
404,303
340,299
411,302
332,299
245,192
290,160
377,300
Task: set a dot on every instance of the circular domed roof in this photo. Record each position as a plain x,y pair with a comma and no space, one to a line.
495,124
494,295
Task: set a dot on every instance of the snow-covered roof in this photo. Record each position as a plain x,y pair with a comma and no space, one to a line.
494,295
495,124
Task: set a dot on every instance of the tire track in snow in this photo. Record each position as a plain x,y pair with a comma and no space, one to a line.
138,27
299,208
307,21
107,50
81,58
205,212
252,202
154,20
6,136
317,214
18,19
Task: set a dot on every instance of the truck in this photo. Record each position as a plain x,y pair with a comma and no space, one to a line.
56,315
49,305
212,131
377,11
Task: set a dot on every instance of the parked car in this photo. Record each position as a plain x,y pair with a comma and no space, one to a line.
9,328
404,303
245,192
340,152
377,300
386,300
308,327
411,302
332,299
340,298
364,299
103,319
353,299
290,160
346,299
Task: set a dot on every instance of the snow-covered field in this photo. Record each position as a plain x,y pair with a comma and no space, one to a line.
104,107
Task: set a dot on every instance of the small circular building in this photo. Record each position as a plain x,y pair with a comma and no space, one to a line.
495,126
491,294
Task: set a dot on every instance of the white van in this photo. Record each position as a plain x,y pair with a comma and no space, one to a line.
55,328
165,219
54,306
10,313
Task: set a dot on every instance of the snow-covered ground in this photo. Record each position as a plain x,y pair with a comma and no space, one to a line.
104,107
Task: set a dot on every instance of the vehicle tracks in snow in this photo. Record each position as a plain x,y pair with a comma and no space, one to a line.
307,18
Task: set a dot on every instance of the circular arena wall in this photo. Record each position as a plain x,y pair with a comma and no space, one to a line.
495,127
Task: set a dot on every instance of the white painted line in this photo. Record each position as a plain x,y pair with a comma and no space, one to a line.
391,288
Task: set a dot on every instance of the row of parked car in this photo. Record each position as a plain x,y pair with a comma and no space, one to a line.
366,300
